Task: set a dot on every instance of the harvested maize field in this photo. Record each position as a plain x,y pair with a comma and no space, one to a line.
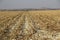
30,25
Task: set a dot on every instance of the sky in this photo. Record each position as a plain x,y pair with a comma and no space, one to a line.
21,4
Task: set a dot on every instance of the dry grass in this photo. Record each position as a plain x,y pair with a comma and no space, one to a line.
30,25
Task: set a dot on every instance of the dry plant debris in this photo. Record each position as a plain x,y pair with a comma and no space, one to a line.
30,25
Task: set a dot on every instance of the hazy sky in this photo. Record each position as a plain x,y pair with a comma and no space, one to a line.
21,4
